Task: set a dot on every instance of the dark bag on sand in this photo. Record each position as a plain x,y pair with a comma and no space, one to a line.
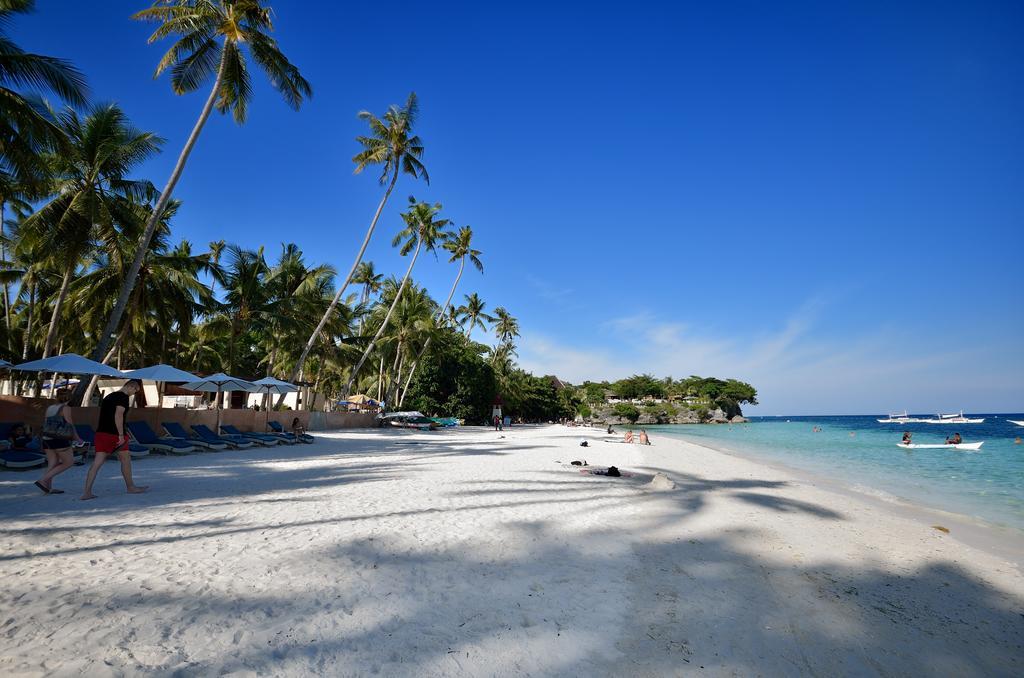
56,427
612,471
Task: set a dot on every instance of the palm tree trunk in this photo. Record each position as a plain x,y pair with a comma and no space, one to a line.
154,218
384,324
87,396
7,291
426,344
51,333
341,290
380,379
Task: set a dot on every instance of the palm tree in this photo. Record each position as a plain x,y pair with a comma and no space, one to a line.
422,229
212,36
472,313
371,281
26,124
461,248
393,145
504,325
92,194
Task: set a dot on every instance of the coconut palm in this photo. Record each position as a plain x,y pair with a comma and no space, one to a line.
212,39
92,194
504,325
392,145
422,229
26,124
472,313
371,281
461,248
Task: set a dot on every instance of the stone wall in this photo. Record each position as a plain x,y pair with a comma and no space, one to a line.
30,411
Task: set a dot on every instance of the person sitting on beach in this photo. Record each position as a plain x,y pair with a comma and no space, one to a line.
19,437
644,440
610,429
954,440
906,437
629,437
297,427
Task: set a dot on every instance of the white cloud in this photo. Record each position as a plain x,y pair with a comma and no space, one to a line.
794,369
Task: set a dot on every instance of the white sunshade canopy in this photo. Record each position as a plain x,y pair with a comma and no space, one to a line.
220,382
275,385
165,373
70,363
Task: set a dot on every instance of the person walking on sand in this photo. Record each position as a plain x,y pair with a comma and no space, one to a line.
58,432
111,438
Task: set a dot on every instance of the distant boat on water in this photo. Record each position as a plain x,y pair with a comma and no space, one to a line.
938,446
957,418
900,419
1014,421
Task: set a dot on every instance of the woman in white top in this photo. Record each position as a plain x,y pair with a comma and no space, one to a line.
57,440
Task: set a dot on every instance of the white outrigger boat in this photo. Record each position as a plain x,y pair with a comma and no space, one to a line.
940,446
413,419
899,419
1014,421
957,418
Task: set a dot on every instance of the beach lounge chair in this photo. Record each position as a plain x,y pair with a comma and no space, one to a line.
176,430
145,436
29,456
276,427
261,438
86,433
205,433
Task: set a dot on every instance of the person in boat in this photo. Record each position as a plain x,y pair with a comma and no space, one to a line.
629,437
955,439
907,435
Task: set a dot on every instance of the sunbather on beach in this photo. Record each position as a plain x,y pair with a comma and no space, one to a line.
111,438
19,437
644,440
629,437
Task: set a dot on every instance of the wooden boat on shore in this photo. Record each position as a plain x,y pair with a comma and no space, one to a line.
974,447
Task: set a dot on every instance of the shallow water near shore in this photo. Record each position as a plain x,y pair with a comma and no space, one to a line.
861,452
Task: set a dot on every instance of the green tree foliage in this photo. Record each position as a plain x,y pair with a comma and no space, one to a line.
626,411
454,380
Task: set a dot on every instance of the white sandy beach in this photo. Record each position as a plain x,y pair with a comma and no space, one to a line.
467,553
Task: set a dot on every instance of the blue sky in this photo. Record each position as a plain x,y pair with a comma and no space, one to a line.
826,201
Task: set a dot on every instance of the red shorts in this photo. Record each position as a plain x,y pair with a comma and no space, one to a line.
108,443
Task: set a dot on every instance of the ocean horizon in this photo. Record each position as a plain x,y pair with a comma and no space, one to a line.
862,453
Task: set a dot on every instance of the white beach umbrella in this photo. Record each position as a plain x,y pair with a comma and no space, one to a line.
217,383
69,363
272,385
161,374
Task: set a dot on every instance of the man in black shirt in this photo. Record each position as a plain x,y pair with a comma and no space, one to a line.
111,438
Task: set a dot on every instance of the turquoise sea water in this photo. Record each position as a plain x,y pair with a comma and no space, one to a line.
988,484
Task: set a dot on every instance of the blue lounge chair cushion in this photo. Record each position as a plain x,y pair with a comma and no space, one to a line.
21,459
144,434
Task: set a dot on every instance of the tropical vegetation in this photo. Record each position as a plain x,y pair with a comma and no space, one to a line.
89,263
